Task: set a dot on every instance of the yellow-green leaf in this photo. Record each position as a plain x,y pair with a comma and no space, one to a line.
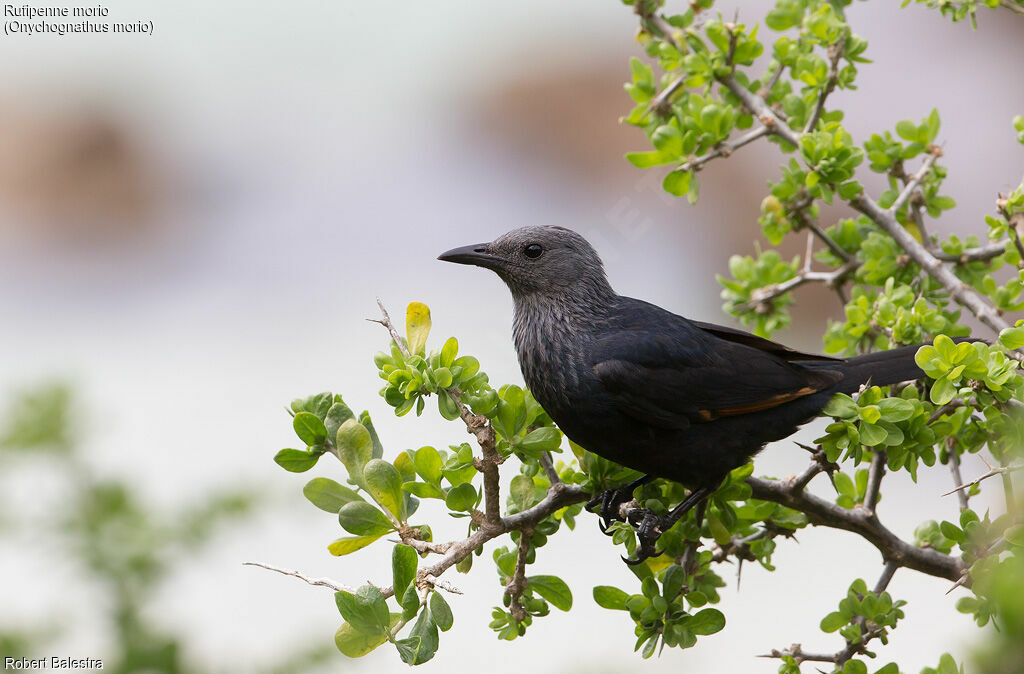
417,326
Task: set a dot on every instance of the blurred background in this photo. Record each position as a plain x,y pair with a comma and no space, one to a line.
195,224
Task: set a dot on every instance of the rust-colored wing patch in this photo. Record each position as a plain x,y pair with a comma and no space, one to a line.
766,404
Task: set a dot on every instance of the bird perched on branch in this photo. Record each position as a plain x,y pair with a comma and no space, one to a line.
649,389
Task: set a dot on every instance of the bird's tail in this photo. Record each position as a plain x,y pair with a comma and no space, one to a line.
880,368
884,367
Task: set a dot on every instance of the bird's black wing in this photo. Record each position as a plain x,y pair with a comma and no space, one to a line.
741,337
677,374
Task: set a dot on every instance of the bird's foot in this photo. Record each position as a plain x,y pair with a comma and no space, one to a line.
649,528
610,500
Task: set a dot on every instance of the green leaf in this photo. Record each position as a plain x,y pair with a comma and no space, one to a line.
404,561
355,448
349,544
309,428
328,495
447,406
544,439
461,498
855,667
841,406
428,464
706,621
522,492
359,610
610,597
449,351
362,519
1012,338
441,612
871,435
378,448
553,589
907,130
424,629
385,486
896,409
677,182
336,416
870,414
832,622
942,391
355,644
423,490
1015,535
648,159
296,460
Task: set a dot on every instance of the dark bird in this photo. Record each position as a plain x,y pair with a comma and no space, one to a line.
641,386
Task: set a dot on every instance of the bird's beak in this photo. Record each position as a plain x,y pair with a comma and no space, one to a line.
476,255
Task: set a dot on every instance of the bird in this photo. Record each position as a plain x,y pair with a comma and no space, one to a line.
649,389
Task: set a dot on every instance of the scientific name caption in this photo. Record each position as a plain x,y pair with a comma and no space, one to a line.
49,20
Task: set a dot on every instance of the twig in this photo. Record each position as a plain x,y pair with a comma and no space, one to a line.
875,474
760,109
979,254
886,577
441,583
766,90
761,296
322,582
954,469
657,104
549,468
386,322
724,149
993,471
518,583
952,406
835,53
915,180
1012,6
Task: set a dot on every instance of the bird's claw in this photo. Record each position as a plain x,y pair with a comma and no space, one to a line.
609,500
648,530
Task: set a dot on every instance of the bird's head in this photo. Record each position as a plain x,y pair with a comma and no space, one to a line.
540,259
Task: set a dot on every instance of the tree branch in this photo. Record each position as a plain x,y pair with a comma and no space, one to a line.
885,219
963,293
861,522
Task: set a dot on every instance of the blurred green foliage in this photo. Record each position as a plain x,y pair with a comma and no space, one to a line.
124,547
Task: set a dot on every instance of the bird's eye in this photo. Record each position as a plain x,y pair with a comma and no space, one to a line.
533,250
